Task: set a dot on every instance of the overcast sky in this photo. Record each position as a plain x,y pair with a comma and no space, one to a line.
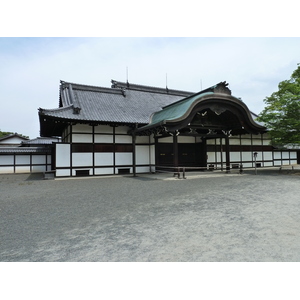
31,69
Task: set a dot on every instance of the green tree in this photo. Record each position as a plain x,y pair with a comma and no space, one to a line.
3,134
282,112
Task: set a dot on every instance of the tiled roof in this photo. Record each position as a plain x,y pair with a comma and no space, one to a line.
12,150
111,104
40,141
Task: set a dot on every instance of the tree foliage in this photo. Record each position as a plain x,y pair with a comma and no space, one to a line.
282,112
4,133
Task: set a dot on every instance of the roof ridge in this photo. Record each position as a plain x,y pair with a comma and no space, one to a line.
146,88
86,87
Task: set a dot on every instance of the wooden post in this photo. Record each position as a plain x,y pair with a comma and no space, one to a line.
175,154
134,154
227,154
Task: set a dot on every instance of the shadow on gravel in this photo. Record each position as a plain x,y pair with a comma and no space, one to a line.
35,176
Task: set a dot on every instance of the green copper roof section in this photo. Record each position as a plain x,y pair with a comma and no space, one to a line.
176,110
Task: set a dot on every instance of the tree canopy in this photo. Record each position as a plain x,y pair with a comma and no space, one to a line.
282,112
3,134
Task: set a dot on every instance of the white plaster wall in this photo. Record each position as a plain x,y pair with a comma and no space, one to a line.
104,159
142,155
277,155
245,142
235,156
63,172
104,171
285,155
186,139
246,156
4,170
268,164
62,155
256,142
82,128
6,159
82,138
38,159
103,129
142,169
293,155
122,129
22,169
268,156
123,158
142,140
22,159
210,157
103,138
168,139
233,141
38,169
211,142
123,139
152,154
82,159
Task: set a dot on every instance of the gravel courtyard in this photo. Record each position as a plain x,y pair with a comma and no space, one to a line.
211,217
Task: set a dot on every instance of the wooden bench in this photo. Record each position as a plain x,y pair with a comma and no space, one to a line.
287,167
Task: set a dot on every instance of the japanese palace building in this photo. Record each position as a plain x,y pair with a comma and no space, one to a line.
131,128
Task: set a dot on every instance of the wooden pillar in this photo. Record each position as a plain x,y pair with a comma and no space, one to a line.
175,154
134,154
227,154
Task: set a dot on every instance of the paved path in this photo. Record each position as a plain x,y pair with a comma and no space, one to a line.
209,217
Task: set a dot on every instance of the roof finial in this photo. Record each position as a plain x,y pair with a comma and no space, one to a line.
167,82
127,77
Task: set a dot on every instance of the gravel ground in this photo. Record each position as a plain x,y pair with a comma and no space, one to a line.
209,217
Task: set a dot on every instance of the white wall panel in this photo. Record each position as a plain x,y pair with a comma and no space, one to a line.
268,164
246,141
62,155
82,128
211,157
104,171
38,169
82,159
103,129
293,155
142,155
268,156
123,158
235,156
6,159
82,138
63,172
122,129
247,156
123,139
285,155
142,169
186,139
168,139
38,159
234,141
103,138
142,140
22,169
152,154
22,159
277,154
4,170
104,159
